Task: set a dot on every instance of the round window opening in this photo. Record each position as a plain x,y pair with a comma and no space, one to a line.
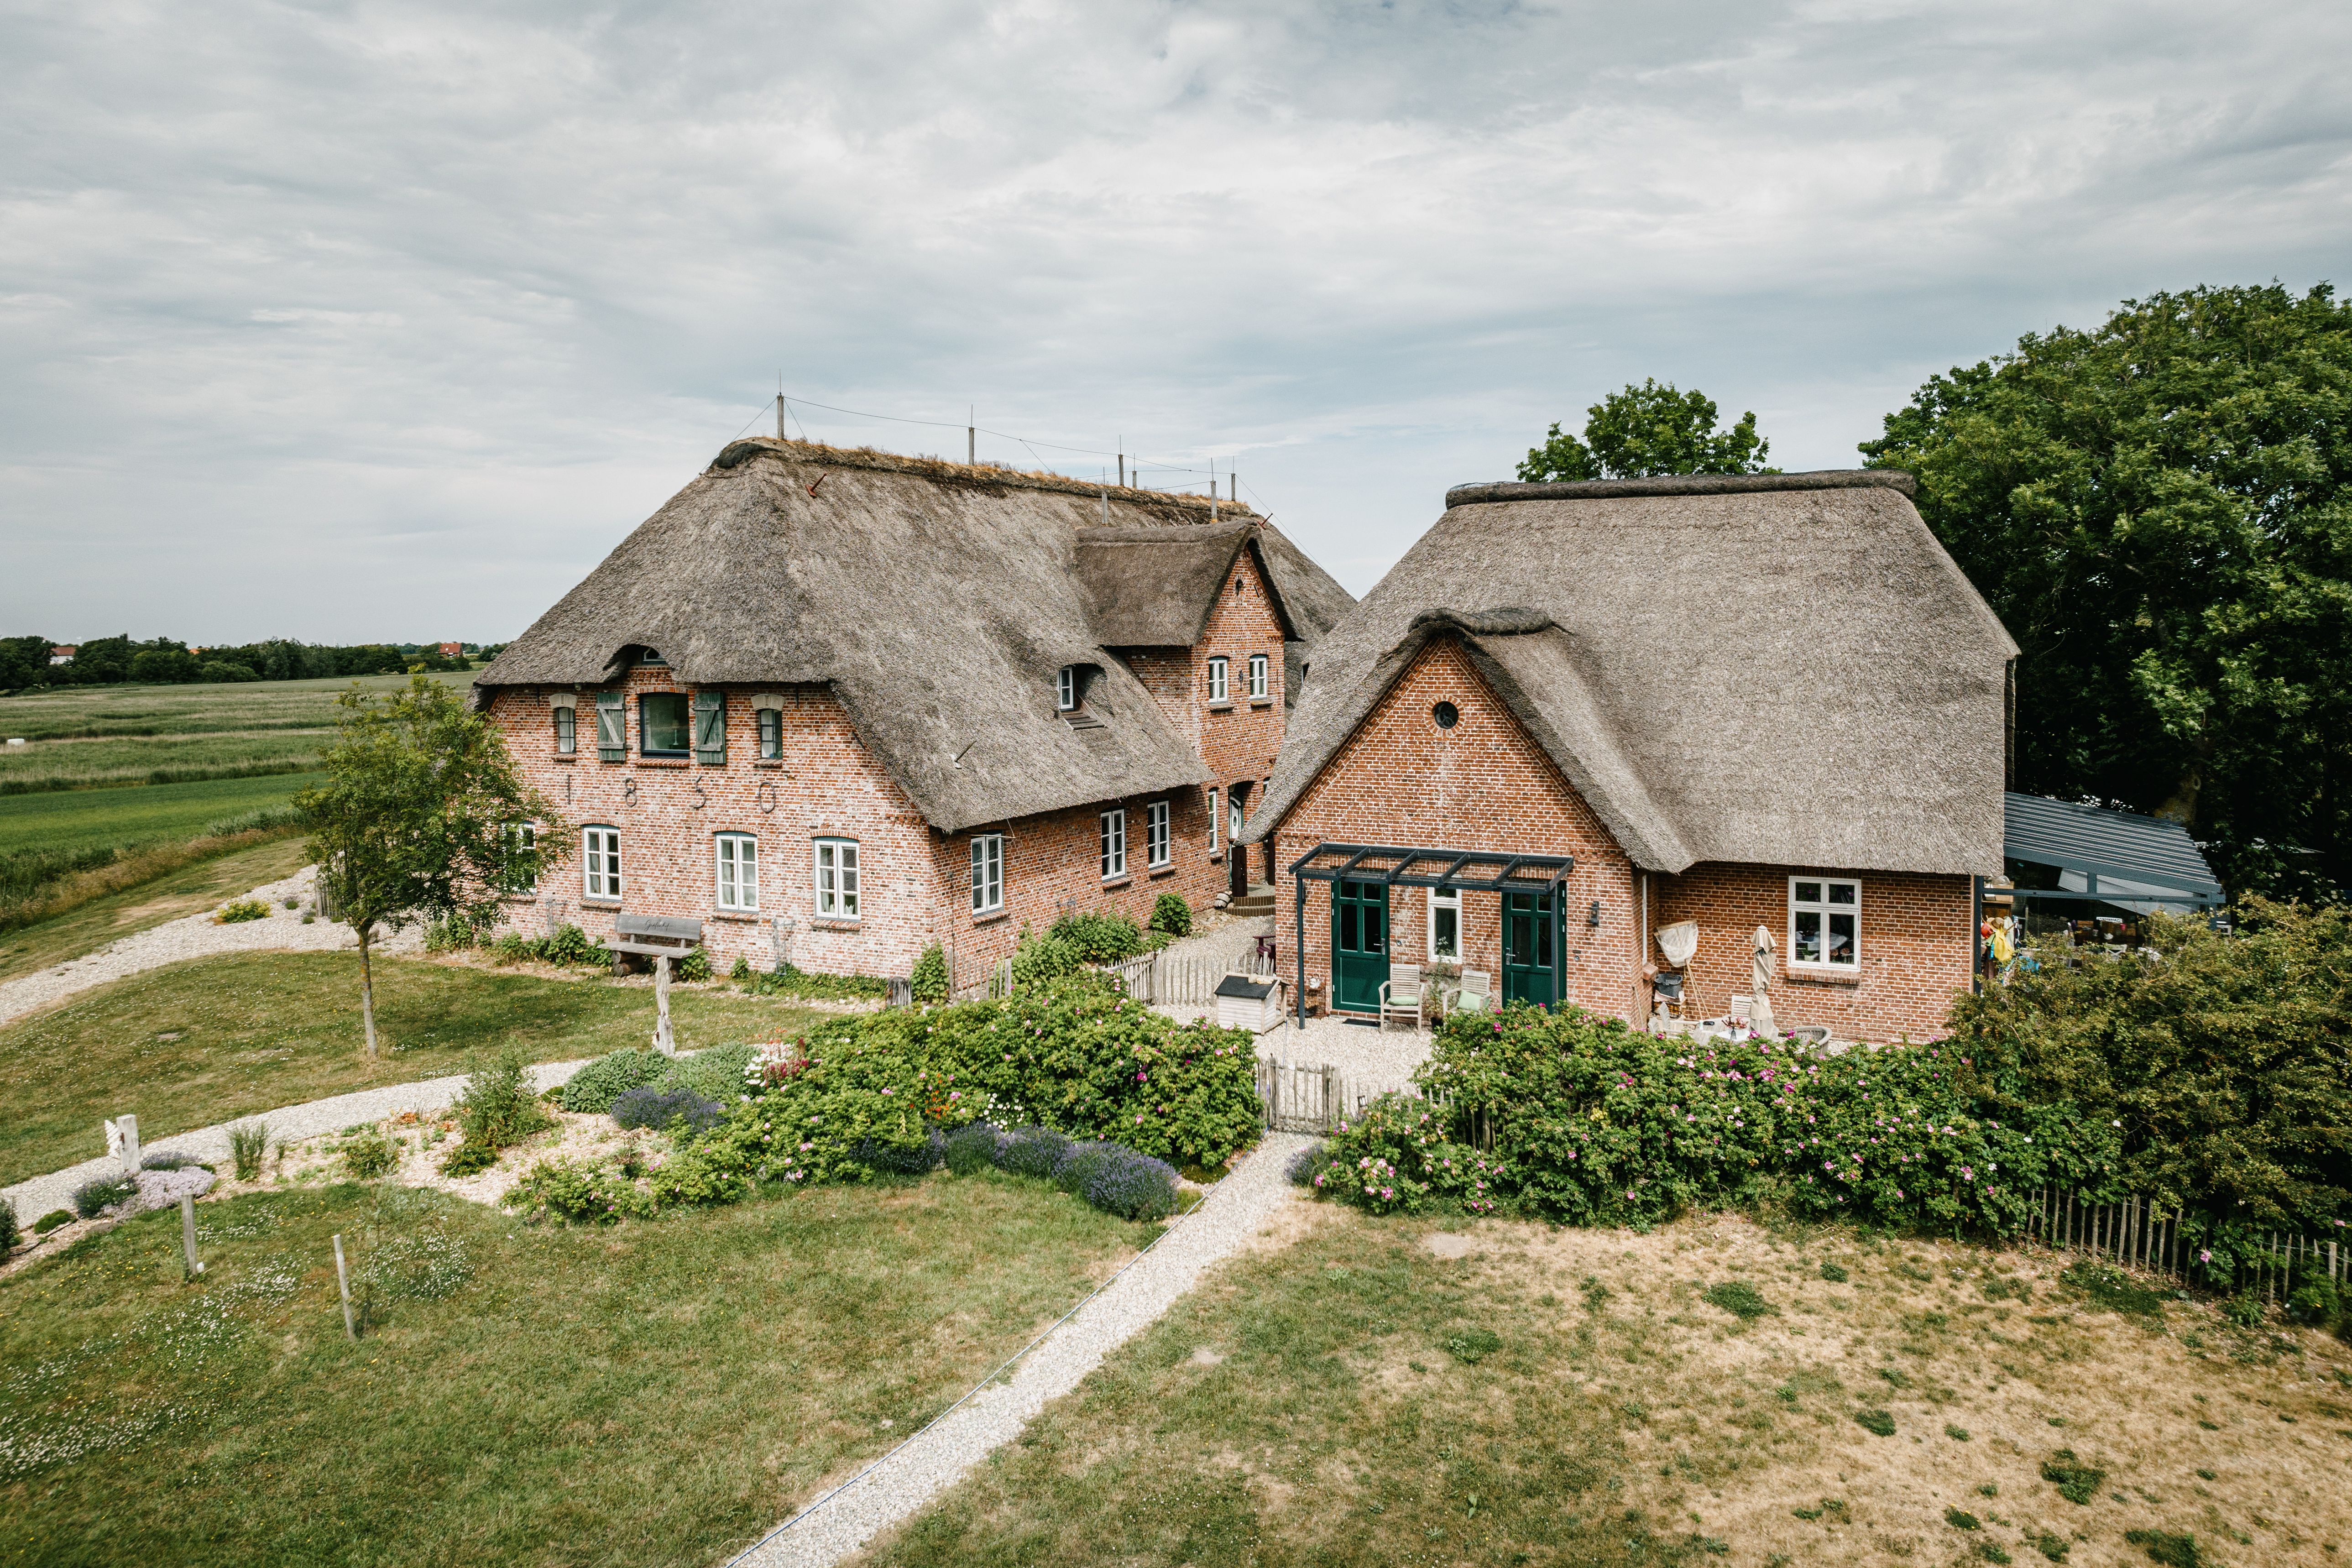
1446,713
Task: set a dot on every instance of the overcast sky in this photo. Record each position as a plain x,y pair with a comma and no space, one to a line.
361,321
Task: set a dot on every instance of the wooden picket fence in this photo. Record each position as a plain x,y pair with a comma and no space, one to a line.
1169,980
2135,1234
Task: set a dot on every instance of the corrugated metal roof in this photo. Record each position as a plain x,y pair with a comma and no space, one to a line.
2148,853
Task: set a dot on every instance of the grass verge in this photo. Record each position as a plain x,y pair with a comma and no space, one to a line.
218,1038
1575,1397
134,895
655,1395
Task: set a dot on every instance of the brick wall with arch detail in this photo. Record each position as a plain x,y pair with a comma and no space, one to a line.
1483,783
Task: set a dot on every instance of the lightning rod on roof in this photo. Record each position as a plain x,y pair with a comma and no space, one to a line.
971,434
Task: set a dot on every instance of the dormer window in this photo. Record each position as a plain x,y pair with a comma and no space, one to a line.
649,656
1066,689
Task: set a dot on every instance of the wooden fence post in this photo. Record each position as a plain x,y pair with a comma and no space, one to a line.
343,1283
188,1234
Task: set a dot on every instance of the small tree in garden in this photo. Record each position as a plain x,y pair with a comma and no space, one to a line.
420,818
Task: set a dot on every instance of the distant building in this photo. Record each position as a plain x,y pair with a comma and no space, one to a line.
62,655
452,650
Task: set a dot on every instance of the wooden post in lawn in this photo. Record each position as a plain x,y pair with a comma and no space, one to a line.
188,1233
122,1142
343,1283
662,1040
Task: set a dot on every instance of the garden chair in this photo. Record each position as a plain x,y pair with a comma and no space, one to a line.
1477,993
1401,993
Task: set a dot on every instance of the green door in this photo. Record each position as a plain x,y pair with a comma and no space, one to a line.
1530,949
1360,944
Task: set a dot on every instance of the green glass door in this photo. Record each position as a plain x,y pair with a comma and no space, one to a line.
1530,949
1360,944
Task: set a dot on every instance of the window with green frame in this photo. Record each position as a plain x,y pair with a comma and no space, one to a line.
662,729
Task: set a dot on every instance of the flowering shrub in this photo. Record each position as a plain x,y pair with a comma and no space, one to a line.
1586,1121
581,1192
972,1149
658,1109
240,911
594,1087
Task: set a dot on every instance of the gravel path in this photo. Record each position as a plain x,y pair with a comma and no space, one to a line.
911,1476
54,1191
196,936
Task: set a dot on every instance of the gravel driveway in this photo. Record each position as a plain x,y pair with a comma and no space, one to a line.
196,936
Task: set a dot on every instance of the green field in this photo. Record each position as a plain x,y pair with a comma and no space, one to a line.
241,707
85,819
188,890
157,759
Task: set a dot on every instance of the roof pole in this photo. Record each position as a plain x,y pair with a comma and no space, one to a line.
780,416
1122,462
971,437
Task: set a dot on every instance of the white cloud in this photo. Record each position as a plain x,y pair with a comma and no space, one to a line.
443,300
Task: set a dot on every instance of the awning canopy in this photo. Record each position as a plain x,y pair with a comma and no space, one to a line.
2120,857
1469,872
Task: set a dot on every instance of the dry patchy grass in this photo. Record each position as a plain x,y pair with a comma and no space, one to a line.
1576,1397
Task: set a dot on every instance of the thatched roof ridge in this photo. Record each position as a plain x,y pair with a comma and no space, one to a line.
936,601
1684,485
1779,674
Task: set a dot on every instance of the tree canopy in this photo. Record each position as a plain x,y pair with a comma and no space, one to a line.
419,817
2157,510
1646,430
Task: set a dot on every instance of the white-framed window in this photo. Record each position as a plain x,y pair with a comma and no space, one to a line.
1114,844
1065,688
771,735
1156,850
599,863
1825,924
1258,677
1446,923
739,872
1213,820
521,838
1217,680
987,873
836,878
567,730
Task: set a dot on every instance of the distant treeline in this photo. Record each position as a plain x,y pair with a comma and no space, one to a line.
24,661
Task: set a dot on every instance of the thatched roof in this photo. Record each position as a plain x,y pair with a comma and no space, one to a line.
936,599
1777,670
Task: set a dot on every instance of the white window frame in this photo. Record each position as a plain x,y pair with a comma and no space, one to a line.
599,863
523,836
1159,849
1216,805
1217,684
987,873
1445,899
834,874
567,729
768,725
1825,906
1112,843
1259,687
735,858
1065,689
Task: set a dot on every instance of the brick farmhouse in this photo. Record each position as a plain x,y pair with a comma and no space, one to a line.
1737,701
842,706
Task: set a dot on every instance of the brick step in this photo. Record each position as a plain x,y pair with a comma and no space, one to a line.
1258,900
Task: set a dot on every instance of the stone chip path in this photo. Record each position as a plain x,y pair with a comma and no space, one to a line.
196,936
910,1476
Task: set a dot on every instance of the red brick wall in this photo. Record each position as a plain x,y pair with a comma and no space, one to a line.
915,882
1482,785
1485,784
1917,942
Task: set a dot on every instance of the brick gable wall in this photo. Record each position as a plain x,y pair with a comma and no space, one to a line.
1485,785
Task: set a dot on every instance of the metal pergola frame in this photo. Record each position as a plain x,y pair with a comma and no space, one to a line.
1395,867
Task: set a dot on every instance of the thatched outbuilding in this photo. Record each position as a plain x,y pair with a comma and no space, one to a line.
1743,699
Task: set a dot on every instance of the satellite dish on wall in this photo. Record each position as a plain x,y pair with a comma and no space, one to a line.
1678,941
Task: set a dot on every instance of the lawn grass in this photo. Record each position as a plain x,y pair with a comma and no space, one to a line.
649,1395
60,713
184,891
1574,1398
152,814
50,765
217,1038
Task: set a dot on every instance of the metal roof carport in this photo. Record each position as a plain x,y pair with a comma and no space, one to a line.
2134,862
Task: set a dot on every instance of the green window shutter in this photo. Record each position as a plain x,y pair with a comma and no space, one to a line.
611,729
710,727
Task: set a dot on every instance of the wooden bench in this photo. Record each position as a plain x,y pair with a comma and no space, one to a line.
652,936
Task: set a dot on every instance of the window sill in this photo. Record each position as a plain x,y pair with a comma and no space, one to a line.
766,762
1823,973
658,761
1226,707
835,922
525,896
1156,872
1120,881
993,917
1216,856
588,901
563,756
1260,703
749,917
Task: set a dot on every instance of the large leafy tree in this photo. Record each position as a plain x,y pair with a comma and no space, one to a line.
2157,510
1646,430
419,818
